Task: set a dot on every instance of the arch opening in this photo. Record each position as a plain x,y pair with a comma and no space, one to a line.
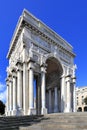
79,109
85,109
53,85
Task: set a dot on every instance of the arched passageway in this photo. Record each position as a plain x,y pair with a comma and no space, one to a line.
79,109
85,109
53,88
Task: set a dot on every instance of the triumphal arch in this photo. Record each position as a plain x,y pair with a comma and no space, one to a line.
41,71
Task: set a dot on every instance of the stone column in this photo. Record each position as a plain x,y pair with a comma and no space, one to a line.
7,103
19,94
63,93
43,91
10,96
25,80
38,96
19,88
50,101
25,88
31,87
14,93
55,99
68,80
74,94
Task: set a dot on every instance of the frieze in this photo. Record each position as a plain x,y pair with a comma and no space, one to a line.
35,57
65,57
40,41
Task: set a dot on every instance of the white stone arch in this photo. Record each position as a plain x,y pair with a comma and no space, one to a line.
53,89
52,55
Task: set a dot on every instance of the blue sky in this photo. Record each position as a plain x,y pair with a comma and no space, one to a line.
66,17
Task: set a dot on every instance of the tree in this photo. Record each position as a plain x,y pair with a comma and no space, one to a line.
85,100
2,108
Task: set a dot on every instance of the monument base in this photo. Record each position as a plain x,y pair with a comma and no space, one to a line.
68,110
8,113
14,112
55,110
43,111
19,112
32,111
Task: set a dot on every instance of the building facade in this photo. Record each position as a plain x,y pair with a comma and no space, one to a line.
38,55
81,94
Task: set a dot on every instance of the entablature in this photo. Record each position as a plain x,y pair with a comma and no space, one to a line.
29,21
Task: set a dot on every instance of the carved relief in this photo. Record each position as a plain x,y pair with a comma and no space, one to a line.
40,41
65,56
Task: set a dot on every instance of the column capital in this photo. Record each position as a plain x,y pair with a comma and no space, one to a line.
10,80
30,59
43,67
19,65
68,78
7,81
31,62
62,76
19,62
74,79
14,71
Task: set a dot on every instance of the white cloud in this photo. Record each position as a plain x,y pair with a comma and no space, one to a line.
2,87
2,92
3,96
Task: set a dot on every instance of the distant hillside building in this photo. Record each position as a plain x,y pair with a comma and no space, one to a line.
37,53
81,93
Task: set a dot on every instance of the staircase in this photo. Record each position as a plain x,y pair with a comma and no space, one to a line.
15,122
60,121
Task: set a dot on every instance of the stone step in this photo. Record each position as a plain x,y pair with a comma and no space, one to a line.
60,121
56,126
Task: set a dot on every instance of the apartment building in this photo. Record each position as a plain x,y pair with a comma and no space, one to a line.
81,93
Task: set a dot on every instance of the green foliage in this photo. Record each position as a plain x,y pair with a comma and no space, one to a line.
85,100
2,108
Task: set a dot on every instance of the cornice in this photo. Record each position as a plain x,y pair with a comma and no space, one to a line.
15,36
30,21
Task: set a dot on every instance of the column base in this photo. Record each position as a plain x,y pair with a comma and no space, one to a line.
25,112
50,111
67,110
14,112
43,111
11,112
8,113
19,112
55,110
32,111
